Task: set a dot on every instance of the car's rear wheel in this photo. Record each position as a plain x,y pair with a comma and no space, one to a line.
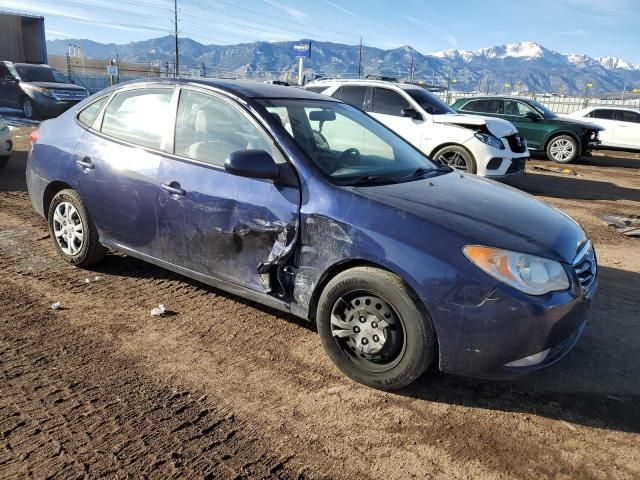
73,231
457,157
563,149
373,329
4,161
29,109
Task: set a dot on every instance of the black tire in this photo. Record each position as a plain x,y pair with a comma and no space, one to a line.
453,155
409,340
90,250
563,149
29,109
4,161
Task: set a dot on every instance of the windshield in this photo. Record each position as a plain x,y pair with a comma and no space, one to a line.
546,113
429,102
347,144
40,74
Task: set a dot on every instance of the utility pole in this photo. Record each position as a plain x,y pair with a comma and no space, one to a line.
175,33
411,69
360,60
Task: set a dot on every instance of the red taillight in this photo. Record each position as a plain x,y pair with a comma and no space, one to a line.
33,138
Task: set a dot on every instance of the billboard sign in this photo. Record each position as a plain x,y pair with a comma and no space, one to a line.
302,50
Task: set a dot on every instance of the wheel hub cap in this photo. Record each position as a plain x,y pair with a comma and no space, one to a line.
363,323
67,228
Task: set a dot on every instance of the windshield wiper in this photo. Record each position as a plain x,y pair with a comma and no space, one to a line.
368,180
419,172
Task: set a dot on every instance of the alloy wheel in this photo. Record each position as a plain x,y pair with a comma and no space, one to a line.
27,108
369,330
562,149
454,160
68,228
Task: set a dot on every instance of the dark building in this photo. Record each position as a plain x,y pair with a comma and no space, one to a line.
22,38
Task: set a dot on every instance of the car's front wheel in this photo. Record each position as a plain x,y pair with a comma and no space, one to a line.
73,231
373,329
29,109
456,157
563,149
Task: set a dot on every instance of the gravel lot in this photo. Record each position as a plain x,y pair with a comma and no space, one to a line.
223,388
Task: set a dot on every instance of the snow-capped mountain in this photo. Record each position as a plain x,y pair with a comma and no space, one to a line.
526,66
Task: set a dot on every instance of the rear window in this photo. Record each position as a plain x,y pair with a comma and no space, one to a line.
627,116
139,116
90,113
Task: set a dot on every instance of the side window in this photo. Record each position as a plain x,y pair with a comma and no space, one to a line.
516,109
88,115
317,89
603,113
627,116
139,116
388,102
4,71
208,129
472,106
353,95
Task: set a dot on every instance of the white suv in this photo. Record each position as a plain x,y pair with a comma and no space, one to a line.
487,146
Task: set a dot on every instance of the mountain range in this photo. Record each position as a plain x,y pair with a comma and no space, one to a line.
524,66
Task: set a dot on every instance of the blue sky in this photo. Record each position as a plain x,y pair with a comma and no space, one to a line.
594,27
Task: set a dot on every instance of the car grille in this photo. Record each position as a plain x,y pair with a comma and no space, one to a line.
73,95
517,165
516,143
585,266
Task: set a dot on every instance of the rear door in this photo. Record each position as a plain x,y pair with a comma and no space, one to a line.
118,162
605,118
627,133
214,223
352,94
386,107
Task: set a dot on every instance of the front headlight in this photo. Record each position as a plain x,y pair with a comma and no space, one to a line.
490,140
44,91
527,273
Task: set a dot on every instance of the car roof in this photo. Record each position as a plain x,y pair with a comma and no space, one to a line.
611,107
246,89
362,81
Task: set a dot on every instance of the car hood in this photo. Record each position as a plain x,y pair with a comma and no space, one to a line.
485,212
577,122
65,86
496,126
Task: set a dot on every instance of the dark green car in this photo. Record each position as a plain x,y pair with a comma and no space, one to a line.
563,139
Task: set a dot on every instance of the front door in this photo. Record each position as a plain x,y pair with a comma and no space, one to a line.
118,166
530,127
212,222
386,107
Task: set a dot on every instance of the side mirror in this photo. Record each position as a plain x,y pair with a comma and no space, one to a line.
411,113
259,164
532,116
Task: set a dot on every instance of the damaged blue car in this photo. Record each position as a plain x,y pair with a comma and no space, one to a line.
304,203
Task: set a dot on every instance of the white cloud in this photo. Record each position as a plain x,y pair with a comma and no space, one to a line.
293,12
438,32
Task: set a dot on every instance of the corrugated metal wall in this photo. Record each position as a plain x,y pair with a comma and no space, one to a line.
22,39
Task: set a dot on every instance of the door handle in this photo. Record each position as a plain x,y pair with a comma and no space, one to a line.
86,163
173,188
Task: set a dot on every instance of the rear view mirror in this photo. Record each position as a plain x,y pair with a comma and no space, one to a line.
322,116
411,113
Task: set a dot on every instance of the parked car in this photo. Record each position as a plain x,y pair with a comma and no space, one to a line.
6,144
38,90
621,125
402,263
564,140
486,146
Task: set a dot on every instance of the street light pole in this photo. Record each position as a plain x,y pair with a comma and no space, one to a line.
175,33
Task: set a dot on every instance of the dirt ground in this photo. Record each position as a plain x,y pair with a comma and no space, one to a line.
223,388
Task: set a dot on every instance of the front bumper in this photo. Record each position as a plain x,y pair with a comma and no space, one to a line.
6,144
508,326
50,107
495,163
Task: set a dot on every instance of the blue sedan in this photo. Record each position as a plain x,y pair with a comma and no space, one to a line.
306,204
